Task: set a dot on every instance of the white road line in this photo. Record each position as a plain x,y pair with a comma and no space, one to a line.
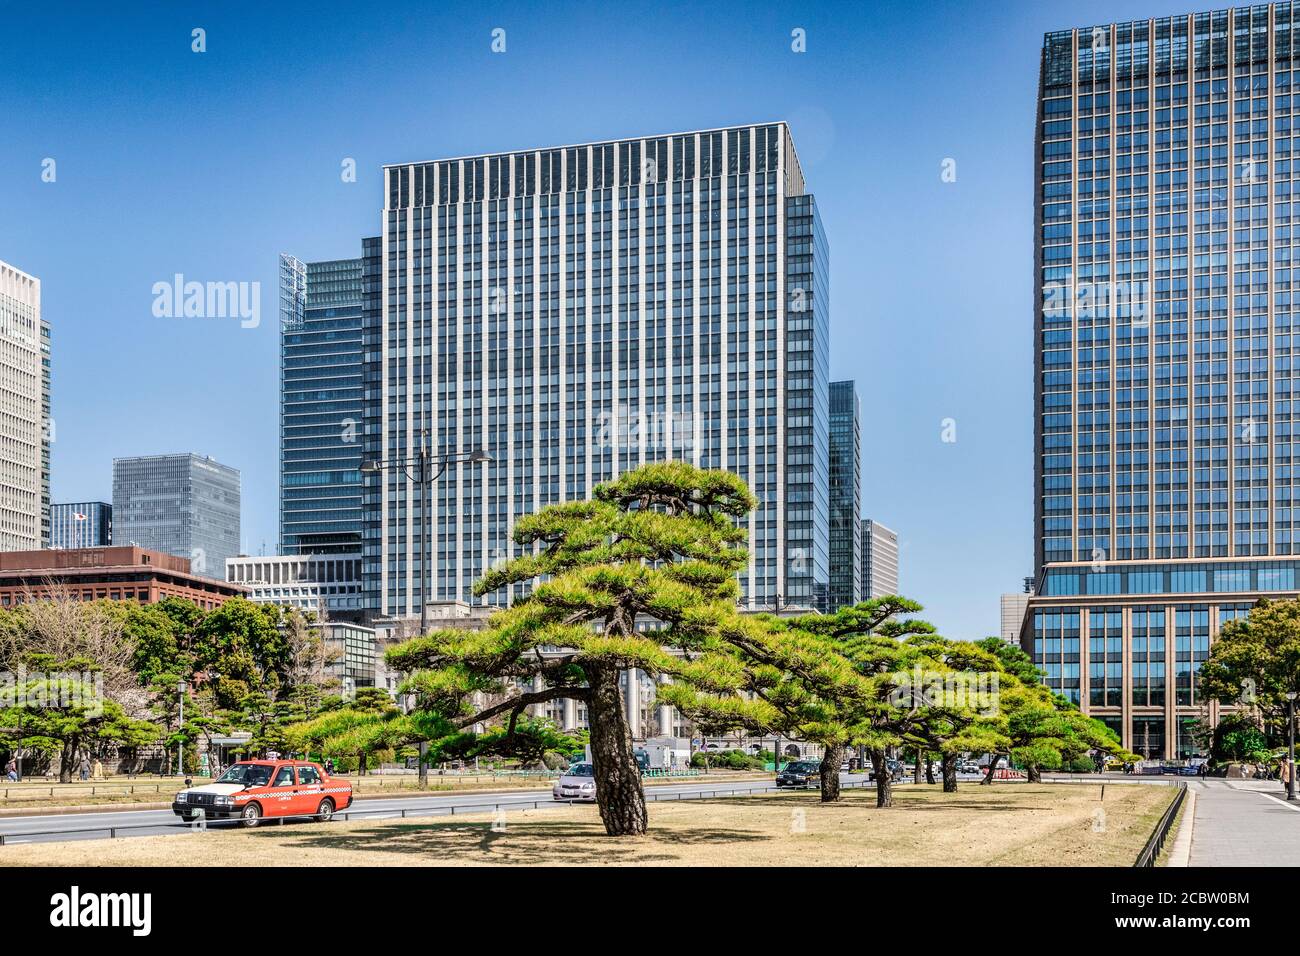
1289,806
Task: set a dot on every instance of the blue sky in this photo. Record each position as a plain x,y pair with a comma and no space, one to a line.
209,165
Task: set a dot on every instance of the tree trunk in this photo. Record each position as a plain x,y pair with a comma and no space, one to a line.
993,766
1035,773
830,771
618,779
917,770
949,773
66,758
884,786
929,769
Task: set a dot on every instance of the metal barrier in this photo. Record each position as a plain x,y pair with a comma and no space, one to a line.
405,813
1151,852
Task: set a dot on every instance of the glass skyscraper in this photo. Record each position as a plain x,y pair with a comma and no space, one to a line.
185,505
845,496
577,311
1164,473
81,524
323,428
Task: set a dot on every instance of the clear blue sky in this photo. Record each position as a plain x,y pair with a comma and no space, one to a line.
211,164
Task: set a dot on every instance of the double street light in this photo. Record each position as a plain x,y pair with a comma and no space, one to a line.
422,471
1290,744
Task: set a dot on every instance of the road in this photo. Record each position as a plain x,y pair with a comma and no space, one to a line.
44,828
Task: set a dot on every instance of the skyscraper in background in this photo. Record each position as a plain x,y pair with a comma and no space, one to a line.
1164,372
845,496
323,435
879,560
581,310
24,413
184,504
81,524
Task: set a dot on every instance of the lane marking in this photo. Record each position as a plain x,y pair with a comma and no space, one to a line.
1285,803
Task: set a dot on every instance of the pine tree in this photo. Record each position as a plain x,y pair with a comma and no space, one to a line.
642,576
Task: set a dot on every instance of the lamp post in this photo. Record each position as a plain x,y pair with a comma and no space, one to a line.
180,726
1290,745
420,472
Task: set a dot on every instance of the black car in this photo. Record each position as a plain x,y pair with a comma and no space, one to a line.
800,773
893,767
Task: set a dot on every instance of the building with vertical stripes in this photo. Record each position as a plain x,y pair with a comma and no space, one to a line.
577,311
25,419
1165,486
845,496
81,524
879,560
323,438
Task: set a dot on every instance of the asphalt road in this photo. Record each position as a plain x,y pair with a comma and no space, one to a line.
44,828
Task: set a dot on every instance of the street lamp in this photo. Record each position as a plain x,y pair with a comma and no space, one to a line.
181,687
1290,744
420,471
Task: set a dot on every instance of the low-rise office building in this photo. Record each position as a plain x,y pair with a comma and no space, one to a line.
115,573
310,582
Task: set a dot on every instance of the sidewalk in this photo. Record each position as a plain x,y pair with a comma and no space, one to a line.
1243,823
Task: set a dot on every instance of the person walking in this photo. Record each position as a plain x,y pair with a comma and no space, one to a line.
97,771
85,766
11,770
1284,771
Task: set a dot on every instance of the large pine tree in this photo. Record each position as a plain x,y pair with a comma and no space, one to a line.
642,576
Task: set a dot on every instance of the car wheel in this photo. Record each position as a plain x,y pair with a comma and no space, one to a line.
251,816
325,812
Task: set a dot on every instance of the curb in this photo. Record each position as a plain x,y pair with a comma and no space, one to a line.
1181,851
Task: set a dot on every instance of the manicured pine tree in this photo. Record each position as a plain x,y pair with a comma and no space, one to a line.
642,576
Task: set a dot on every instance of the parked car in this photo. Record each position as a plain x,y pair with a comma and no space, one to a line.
576,783
253,789
967,766
800,773
894,768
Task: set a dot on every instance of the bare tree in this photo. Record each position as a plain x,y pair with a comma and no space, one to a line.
56,624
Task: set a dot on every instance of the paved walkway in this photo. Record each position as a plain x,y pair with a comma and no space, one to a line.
1243,823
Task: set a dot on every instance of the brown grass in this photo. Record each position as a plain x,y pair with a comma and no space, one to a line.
1005,825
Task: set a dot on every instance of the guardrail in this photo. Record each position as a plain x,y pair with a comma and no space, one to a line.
19,791
1151,852
405,813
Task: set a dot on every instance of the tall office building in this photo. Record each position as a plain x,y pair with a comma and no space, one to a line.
323,434
581,310
846,571
24,413
81,524
185,505
1164,372
879,560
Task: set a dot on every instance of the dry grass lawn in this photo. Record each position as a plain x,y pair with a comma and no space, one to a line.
1004,825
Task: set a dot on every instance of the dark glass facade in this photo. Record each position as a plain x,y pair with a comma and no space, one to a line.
845,496
322,406
82,524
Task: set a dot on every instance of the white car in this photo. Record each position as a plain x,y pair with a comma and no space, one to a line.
576,783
